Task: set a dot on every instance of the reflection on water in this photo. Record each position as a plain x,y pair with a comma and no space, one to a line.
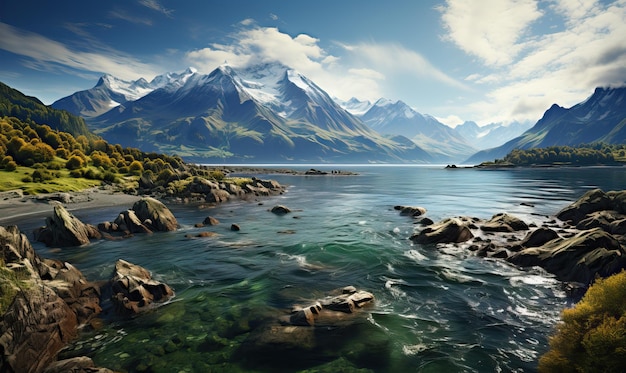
437,309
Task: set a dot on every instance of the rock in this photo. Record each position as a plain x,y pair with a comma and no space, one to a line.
413,211
504,223
235,227
64,229
280,210
209,220
81,364
160,216
539,237
579,259
134,290
313,171
43,302
446,231
217,196
592,201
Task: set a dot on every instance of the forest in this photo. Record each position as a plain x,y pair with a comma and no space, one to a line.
579,155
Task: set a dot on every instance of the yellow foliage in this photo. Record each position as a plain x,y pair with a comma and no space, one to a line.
592,336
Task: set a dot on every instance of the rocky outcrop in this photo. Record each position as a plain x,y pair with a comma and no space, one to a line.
44,302
200,189
453,230
580,259
134,290
592,201
64,229
155,215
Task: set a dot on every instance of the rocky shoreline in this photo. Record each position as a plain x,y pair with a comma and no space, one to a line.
583,241
46,302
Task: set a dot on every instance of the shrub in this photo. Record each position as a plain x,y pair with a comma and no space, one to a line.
592,336
135,168
10,166
74,163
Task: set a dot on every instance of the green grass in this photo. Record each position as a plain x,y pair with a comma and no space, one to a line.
10,180
10,284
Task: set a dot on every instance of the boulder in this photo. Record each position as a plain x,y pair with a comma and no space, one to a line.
446,231
413,211
578,259
592,201
64,229
160,217
504,223
539,237
217,196
235,227
280,210
134,290
209,220
44,301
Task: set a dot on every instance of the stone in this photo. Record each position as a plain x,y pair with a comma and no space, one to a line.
446,231
413,211
134,290
160,216
280,210
593,200
209,220
539,237
504,223
64,229
578,259
235,227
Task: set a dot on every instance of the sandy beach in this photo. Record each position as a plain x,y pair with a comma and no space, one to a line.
14,205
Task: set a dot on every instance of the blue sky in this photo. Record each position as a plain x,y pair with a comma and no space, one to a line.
486,61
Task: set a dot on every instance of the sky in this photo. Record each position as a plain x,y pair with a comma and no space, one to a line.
488,61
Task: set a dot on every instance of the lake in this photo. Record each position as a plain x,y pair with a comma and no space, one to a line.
436,309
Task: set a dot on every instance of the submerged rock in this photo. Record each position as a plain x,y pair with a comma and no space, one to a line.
280,210
413,211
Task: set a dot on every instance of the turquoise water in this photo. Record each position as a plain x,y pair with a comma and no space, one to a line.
436,309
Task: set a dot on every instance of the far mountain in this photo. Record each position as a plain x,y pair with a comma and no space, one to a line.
600,118
355,106
397,118
491,135
111,92
265,113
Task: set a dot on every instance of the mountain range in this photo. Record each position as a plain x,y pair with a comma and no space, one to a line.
265,113
600,118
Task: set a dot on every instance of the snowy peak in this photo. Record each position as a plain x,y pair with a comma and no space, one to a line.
354,106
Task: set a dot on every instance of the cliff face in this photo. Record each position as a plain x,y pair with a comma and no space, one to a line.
43,302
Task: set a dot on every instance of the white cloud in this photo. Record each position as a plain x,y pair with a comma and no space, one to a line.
492,30
562,67
155,5
45,51
394,59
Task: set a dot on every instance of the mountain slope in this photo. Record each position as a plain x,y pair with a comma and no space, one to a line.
600,118
110,92
266,113
14,103
439,140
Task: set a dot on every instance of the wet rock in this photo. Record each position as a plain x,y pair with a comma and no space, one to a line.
446,231
579,259
592,201
235,227
160,218
504,223
134,290
209,220
539,237
64,229
81,364
280,210
413,211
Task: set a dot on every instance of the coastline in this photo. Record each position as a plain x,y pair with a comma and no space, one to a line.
15,205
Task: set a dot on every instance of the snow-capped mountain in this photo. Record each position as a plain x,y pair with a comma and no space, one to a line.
262,113
354,106
397,118
599,118
491,135
111,92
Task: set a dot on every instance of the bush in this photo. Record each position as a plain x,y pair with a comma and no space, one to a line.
135,168
10,166
592,336
74,163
